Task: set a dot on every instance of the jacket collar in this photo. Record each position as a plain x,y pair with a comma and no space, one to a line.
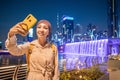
36,43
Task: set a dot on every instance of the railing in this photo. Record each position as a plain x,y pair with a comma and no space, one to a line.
17,72
6,73
22,72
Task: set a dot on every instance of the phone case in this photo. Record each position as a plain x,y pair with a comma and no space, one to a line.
30,20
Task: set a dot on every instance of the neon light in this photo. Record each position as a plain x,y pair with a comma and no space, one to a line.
68,18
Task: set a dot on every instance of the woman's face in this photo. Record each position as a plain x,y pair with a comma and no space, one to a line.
42,30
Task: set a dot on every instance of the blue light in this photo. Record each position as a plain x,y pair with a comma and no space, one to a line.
68,18
30,33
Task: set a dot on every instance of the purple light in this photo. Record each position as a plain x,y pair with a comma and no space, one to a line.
90,52
72,48
85,50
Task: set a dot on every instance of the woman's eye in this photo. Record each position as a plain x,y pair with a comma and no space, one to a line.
38,27
45,28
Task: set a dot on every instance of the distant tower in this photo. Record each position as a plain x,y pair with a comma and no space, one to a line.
113,29
78,29
58,26
68,28
30,35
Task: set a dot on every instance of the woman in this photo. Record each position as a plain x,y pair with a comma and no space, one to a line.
43,61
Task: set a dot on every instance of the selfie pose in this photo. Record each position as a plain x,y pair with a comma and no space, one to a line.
42,56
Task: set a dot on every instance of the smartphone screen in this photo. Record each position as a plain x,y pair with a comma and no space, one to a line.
30,21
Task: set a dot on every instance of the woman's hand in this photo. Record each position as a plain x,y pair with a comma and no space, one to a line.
18,29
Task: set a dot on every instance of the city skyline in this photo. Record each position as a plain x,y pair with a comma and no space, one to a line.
84,12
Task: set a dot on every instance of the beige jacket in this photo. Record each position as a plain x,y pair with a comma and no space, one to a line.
43,62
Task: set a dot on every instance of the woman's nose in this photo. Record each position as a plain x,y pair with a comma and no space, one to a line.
42,30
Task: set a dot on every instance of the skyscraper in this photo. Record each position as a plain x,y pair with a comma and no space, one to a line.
113,29
68,28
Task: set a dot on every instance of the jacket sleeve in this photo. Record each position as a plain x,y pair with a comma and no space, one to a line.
13,48
56,71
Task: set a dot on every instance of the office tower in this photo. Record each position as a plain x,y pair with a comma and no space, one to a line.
68,28
113,28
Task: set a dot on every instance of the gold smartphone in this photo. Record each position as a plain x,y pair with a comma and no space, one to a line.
30,21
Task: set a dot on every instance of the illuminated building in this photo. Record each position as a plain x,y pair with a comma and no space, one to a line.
67,28
113,29
30,35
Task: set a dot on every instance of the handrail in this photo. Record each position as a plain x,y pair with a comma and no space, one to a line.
7,72
23,70
13,72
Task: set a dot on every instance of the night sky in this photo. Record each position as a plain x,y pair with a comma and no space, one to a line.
83,11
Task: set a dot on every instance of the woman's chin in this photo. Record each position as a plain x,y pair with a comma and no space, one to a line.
41,37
